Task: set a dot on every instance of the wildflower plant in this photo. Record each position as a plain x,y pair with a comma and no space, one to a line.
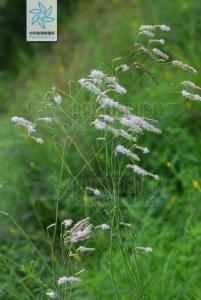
95,113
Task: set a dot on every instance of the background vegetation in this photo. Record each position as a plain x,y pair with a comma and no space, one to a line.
167,217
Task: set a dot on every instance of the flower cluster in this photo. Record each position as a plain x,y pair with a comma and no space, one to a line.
80,232
70,279
102,85
31,127
192,86
96,192
158,55
145,249
150,32
183,66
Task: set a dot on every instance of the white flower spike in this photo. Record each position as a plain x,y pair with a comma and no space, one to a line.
141,171
67,223
190,84
58,99
51,294
96,192
184,66
82,249
103,227
191,96
125,151
70,279
20,121
145,249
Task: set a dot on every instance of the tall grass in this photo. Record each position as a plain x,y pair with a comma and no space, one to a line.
99,175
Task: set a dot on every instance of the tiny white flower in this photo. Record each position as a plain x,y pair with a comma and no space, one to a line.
96,192
96,74
111,79
125,151
81,231
107,118
144,150
191,84
88,85
158,52
51,294
153,27
46,119
123,68
163,27
126,135
125,224
58,99
136,123
128,123
105,127
70,279
184,66
51,225
147,27
142,172
67,223
191,96
37,140
147,33
120,89
103,226
146,51
20,121
160,41
145,249
106,101
82,249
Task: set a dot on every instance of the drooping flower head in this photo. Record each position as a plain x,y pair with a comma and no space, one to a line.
70,279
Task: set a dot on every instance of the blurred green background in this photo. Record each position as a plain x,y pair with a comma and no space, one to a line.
91,34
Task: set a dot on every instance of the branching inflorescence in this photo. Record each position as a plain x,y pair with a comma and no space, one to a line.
150,32
102,88
120,122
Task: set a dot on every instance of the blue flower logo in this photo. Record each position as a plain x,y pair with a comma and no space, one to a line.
41,15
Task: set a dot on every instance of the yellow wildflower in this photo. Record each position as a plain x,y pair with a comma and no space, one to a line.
102,156
169,165
32,165
196,185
